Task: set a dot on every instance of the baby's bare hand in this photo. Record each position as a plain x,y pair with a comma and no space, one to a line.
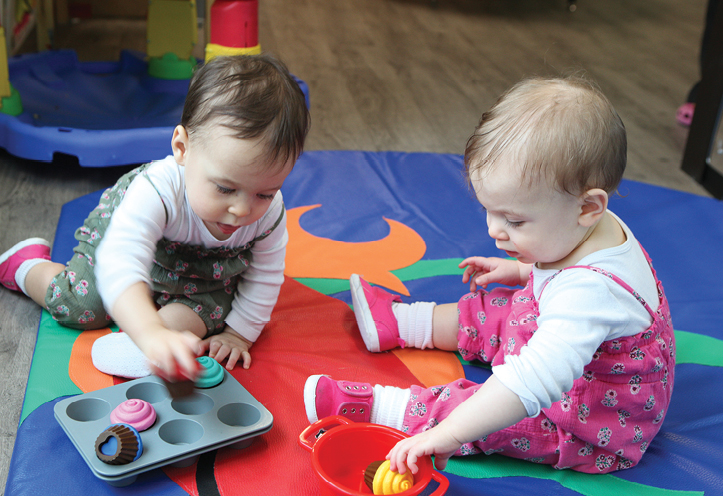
230,346
481,271
435,441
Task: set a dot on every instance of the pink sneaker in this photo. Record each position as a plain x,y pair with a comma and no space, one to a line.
324,397
373,310
15,256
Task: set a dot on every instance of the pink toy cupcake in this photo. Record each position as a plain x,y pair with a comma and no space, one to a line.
137,413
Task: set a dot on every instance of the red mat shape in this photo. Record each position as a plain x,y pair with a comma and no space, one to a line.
309,333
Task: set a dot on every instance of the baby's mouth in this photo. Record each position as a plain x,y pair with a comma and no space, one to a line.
227,228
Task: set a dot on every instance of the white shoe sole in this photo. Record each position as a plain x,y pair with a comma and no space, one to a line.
363,315
117,354
310,397
19,246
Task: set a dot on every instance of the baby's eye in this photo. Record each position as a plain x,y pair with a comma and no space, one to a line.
266,197
513,224
223,190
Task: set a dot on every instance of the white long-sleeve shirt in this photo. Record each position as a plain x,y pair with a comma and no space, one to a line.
579,310
128,247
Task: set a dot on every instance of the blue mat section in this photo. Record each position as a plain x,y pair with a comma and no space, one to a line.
683,234
103,113
46,462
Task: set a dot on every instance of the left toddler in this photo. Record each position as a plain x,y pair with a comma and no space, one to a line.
185,254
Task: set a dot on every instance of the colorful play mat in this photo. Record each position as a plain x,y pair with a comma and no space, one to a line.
404,221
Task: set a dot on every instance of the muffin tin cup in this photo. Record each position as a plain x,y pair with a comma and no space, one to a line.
211,418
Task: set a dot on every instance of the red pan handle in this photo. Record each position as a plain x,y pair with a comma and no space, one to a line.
307,438
443,483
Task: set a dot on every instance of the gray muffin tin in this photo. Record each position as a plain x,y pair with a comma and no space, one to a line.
209,419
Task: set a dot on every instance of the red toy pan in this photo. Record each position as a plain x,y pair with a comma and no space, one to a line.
341,454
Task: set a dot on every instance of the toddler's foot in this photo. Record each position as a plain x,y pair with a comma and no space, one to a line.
324,397
117,354
11,260
373,310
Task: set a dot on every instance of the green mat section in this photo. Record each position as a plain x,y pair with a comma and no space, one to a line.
419,270
696,348
487,467
48,378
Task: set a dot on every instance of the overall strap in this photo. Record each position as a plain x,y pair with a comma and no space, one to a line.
271,229
165,209
612,276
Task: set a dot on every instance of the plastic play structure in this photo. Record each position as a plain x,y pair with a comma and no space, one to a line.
121,112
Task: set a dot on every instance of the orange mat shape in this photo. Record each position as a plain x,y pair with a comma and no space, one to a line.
80,367
431,367
374,260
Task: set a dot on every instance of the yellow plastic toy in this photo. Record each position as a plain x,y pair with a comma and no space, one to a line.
10,102
4,76
172,34
385,480
213,50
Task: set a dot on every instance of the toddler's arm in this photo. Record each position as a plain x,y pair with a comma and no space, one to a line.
493,407
123,260
228,344
258,289
481,271
168,351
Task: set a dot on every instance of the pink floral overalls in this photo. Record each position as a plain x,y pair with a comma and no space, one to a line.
604,423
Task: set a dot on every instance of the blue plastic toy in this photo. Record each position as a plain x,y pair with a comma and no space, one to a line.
103,113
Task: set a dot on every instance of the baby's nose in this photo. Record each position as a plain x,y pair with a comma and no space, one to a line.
495,229
240,208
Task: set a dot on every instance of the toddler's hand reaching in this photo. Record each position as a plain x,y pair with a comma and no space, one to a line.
436,441
481,271
172,354
228,344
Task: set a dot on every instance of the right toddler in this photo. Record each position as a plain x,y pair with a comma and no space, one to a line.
583,356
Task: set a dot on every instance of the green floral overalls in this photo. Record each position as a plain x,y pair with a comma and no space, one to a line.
201,278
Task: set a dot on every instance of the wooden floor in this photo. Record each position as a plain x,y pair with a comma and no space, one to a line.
406,75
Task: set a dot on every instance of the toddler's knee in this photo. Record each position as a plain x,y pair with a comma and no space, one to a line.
82,315
74,302
82,319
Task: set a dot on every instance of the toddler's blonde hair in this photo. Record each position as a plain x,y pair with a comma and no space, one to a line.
561,129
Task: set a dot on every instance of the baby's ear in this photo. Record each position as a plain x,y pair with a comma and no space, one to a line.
594,203
179,144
